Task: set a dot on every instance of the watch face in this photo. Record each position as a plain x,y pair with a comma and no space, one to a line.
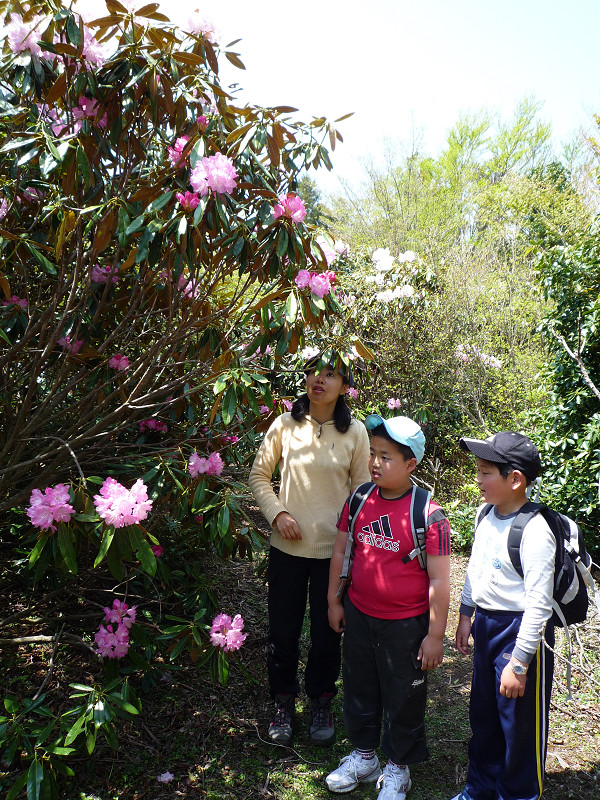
518,669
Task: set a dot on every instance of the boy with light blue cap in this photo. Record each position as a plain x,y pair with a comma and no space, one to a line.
394,613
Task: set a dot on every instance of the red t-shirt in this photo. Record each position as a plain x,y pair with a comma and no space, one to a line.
382,586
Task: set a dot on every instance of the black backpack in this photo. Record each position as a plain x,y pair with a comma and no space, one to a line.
571,567
419,511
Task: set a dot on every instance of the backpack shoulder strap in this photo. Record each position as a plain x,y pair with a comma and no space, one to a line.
515,534
483,512
419,513
357,500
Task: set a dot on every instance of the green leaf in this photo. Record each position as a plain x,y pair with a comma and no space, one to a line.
107,537
143,551
200,209
75,729
17,786
229,404
14,144
11,704
291,308
41,259
73,31
83,166
223,667
135,225
179,647
160,202
221,382
35,776
37,550
282,242
223,520
67,547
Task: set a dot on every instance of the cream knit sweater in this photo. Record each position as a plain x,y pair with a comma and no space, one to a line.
319,467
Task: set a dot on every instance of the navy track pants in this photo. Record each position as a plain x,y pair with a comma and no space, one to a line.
507,751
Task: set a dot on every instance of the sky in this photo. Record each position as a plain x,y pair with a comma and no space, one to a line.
408,70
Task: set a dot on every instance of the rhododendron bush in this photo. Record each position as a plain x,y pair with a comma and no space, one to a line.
151,238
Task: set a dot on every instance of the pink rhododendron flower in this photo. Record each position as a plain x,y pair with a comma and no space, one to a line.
352,392
227,633
50,507
287,404
153,425
189,201
119,362
264,409
157,550
3,208
393,402
119,506
189,288
92,50
199,518
309,352
202,121
112,644
230,439
24,35
319,284
15,301
120,613
291,206
71,347
328,251
302,278
106,274
175,153
341,248
88,108
197,24
216,173
213,465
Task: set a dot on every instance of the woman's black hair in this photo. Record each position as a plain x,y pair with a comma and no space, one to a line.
342,418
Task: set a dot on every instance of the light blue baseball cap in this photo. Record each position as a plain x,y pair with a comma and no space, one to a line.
402,430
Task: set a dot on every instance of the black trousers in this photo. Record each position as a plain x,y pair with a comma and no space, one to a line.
292,580
384,683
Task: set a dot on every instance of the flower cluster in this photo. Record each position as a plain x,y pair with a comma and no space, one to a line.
393,402
119,362
50,507
352,393
216,173
468,353
319,283
188,200
340,248
227,633
213,465
114,642
24,35
394,294
291,206
202,25
106,274
175,154
72,347
15,301
230,438
153,425
119,506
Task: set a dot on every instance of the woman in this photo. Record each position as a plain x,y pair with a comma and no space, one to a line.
323,454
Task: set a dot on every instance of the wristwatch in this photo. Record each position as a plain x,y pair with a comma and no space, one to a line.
519,669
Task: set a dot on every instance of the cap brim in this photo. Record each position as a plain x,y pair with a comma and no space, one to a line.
482,450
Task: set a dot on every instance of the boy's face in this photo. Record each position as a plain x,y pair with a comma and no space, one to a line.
494,488
388,467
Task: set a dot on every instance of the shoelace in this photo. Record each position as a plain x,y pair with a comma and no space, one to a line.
394,776
320,716
282,715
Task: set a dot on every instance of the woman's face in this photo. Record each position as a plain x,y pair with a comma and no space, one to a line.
325,387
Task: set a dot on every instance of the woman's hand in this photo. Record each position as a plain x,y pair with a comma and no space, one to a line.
287,526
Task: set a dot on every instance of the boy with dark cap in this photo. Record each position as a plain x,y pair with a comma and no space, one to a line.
394,615
512,669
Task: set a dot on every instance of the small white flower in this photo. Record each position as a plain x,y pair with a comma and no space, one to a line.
166,777
382,259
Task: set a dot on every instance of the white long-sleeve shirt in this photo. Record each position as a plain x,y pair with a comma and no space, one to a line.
492,583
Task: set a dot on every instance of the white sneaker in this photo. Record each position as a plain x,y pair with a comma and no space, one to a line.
353,769
393,783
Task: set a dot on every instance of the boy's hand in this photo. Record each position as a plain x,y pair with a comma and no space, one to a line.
512,685
287,526
431,652
336,616
463,631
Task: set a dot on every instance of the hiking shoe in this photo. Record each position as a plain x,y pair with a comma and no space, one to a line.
280,727
464,795
393,783
321,719
353,769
